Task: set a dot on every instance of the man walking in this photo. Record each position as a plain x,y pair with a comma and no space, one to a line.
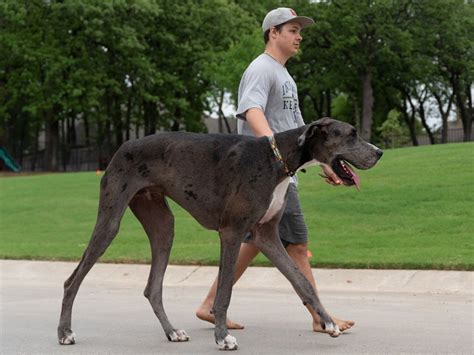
268,104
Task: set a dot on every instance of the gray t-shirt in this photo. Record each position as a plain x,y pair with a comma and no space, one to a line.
266,84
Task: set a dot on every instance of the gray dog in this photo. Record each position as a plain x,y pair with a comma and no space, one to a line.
229,183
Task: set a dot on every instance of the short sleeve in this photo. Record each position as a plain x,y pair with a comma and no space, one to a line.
254,89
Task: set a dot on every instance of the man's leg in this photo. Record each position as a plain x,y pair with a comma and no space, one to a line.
247,253
299,254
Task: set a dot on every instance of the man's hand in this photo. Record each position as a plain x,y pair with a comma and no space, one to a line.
330,176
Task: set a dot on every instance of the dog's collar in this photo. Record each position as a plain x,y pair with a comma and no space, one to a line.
277,153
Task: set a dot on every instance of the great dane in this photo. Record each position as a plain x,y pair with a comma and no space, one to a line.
233,184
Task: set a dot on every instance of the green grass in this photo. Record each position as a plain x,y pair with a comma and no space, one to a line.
415,210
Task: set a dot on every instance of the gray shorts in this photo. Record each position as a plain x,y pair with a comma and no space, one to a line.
292,226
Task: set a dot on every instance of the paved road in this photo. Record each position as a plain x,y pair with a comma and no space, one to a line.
112,317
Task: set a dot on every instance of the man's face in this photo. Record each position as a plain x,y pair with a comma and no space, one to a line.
289,39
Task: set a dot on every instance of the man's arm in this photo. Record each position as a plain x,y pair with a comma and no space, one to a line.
258,122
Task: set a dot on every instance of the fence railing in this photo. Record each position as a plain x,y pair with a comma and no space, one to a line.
77,159
453,136
91,158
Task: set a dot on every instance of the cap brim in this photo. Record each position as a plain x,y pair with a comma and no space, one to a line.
302,20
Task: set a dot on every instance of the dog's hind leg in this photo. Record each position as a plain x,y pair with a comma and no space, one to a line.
157,220
230,246
268,241
114,198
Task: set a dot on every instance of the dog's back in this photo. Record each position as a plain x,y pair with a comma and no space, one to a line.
202,172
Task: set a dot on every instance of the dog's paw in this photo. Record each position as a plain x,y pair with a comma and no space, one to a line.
68,338
177,335
332,329
228,343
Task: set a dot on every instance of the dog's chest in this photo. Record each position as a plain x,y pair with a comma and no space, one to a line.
278,199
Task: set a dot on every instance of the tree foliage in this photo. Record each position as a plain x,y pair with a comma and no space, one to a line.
125,68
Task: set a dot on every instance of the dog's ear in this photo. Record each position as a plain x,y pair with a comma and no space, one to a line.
320,126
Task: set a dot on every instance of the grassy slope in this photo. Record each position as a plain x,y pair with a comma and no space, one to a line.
415,210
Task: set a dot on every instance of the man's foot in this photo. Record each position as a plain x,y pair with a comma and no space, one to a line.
342,324
205,314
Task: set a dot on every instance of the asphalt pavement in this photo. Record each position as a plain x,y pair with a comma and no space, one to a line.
397,311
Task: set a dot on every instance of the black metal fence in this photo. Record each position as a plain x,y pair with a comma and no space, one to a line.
453,136
91,159
77,159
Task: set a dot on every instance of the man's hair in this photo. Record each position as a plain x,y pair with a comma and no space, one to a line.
266,35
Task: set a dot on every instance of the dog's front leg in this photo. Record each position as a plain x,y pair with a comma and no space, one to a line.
230,246
268,241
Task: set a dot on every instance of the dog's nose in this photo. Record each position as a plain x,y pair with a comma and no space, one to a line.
379,153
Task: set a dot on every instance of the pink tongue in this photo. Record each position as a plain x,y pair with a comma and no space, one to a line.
355,177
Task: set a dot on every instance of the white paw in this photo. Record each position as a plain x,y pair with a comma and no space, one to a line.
68,339
332,329
229,343
178,335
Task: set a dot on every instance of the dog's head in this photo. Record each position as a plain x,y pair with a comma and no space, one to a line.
337,144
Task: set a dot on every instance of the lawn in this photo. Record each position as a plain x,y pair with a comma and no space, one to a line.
415,210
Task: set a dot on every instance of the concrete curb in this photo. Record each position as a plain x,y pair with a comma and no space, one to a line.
340,280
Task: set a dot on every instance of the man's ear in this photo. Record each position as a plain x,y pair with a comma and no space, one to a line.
319,126
273,32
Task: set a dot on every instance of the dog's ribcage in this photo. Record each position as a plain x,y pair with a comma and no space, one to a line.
278,199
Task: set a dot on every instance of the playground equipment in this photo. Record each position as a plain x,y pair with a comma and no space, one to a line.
7,162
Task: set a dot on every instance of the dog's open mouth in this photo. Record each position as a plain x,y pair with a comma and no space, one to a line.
345,172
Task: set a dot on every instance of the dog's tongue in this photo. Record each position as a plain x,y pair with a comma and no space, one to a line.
355,177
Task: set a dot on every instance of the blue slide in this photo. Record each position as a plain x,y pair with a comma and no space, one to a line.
8,160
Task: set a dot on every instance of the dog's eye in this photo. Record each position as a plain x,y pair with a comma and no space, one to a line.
337,132
353,133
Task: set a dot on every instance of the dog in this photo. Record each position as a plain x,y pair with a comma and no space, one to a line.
233,184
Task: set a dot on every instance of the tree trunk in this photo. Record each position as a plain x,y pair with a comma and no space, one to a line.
117,122
367,106
410,120
100,142
52,142
20,146
86,129
466,116
316,107
355,103
72,128
108,139
222,117
176,120
63,139
128,118
108,142
444,115
35,146
328,102
421,112
151,116
470,110
469,98
321,104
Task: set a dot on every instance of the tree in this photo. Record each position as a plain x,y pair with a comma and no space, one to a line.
442,32
227,67
346,50
110,64
147,65
454,53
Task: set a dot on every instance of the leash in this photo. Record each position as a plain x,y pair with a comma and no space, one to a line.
276,151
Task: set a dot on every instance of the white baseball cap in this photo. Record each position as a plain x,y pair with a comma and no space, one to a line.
284,14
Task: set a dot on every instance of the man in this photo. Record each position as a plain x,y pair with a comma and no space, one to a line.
268,104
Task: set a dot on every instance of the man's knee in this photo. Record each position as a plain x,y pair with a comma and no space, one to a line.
298,251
